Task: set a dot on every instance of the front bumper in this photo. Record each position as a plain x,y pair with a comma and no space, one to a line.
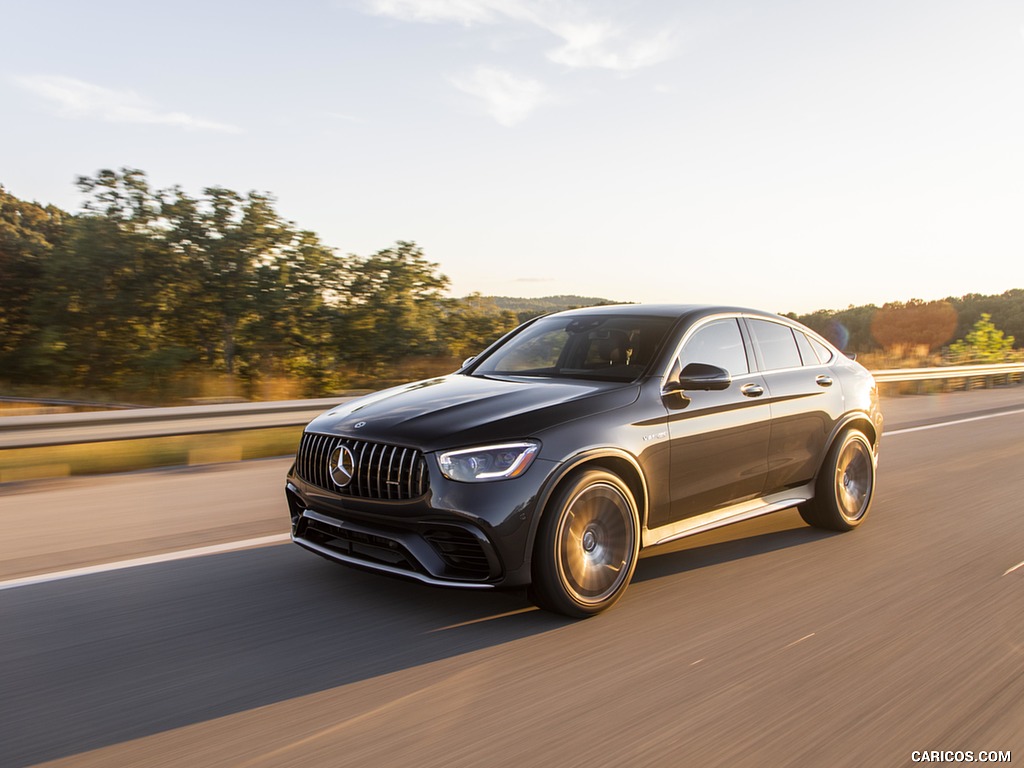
395,552
474,535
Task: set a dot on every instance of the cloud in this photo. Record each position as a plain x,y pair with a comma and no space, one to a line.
586,41
464,12
602,45
77,99
509,99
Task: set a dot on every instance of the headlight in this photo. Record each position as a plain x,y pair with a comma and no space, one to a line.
488,462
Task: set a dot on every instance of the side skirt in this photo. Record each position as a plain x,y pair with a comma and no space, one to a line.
727,515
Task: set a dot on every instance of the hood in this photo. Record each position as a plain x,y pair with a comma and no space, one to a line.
458,410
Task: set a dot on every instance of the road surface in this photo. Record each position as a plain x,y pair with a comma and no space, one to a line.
764,644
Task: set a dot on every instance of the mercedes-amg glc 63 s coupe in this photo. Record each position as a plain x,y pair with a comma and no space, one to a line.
573,442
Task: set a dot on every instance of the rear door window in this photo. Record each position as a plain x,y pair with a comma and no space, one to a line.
776,344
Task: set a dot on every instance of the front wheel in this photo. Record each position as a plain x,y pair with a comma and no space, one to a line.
587,546
845,485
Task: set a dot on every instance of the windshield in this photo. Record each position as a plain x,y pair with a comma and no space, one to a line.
604,347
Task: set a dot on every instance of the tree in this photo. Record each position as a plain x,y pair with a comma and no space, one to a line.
1006,309
393,306
472,323
849,329
984,344
925,325
251,278
29,232
107,290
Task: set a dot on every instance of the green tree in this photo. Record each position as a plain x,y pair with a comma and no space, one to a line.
472,323
29,233
393,307
107,292
849,329
984,344
254,286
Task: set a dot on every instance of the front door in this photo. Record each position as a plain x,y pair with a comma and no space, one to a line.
718,439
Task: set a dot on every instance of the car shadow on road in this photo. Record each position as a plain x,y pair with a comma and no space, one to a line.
771,533
128,654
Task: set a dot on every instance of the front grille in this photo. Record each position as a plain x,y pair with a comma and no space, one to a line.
387,472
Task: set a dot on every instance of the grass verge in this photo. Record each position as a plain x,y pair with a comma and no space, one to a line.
147,453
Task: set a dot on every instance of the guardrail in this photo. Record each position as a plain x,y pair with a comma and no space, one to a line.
100,426
989,375
97,427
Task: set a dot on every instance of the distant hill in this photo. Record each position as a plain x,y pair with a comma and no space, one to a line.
544,304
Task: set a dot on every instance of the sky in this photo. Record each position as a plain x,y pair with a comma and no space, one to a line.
790,156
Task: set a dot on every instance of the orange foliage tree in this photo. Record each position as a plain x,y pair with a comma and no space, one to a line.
916,324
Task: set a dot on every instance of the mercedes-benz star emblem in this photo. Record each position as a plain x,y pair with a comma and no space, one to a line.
342,466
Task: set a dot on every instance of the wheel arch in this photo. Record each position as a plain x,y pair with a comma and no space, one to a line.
856,420
620,463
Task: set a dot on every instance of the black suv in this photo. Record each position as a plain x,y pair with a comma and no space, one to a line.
579,438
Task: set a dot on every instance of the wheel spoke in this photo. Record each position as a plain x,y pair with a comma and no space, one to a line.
595,543
854,471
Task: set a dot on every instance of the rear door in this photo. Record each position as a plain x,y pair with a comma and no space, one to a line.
806,401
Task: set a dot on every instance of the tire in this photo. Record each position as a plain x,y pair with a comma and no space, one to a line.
845,486
587,546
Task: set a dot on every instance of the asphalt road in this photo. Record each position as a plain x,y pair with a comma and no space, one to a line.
764,644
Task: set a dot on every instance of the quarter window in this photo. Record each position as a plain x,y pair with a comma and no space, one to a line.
824,353
806,350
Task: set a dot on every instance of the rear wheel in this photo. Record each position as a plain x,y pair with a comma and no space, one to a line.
845,485
587,546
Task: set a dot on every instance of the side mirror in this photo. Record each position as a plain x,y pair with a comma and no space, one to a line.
702,376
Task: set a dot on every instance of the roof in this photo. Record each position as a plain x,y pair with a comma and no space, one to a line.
664,310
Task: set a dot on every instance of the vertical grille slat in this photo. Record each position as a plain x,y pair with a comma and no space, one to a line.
314,448
360,488
322,455
401,486
373,474
421,471
389,483
385,472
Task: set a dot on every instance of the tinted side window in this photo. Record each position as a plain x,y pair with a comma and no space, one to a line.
777,345
824,353
717,343
811,350
807,352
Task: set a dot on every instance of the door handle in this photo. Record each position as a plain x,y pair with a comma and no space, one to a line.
823,381
752,390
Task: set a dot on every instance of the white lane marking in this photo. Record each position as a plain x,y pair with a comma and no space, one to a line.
950,423
1016,567
166,557
805,637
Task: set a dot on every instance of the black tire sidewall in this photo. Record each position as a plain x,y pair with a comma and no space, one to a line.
827,510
